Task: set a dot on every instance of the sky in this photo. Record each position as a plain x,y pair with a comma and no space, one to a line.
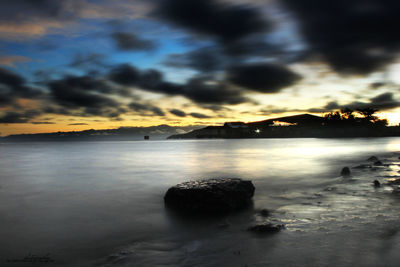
84,64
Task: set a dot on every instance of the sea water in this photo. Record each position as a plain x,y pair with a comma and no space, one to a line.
101,203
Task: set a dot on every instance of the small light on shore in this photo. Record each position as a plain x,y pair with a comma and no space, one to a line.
257,131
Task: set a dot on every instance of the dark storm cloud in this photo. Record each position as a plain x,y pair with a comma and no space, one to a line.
126,41
354,37
377,85
265,78
199,115
139,107
13,82
380,102
199,89
13,86
178,112
225,22
383,101
181,113
332,105
5,99
18,117
42,122
53,109
13,117
83,83
205,91
205,60
74,92
151,80
125,74
78,123
26,10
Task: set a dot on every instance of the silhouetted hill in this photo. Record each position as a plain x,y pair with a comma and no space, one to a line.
298,126
302,119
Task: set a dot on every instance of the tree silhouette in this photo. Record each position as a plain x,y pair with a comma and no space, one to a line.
368,114
346,117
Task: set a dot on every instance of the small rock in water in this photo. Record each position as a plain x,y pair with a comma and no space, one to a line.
378,163
377,183
266,228
264,212
345,171
373,158
210,196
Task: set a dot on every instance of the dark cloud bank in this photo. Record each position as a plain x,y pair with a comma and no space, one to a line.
354,37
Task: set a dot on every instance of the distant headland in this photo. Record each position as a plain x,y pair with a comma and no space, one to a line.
339,124
160,132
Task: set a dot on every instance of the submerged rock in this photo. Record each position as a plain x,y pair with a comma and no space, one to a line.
378,163
266,228
210,196
345,171
377,183
373,158
264,212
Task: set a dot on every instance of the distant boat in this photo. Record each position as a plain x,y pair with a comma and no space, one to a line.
146,137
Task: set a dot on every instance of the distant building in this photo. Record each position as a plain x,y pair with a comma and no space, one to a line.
283,123
236,125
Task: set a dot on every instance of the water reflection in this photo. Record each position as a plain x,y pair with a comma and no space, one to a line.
66,198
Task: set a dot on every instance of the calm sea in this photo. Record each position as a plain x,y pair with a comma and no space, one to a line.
101,203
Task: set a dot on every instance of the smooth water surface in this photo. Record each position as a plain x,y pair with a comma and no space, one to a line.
101,203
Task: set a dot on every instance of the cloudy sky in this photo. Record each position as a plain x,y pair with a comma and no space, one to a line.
80,64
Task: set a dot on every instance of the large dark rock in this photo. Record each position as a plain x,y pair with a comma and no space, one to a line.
210,196
266,228
377,183
345,171
373,158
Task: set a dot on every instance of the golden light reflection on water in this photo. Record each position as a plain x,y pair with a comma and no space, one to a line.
393,145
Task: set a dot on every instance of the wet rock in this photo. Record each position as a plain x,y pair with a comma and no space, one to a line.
210,196
378,163
264,212
377,183
266,228
373,158
345,171
330,188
